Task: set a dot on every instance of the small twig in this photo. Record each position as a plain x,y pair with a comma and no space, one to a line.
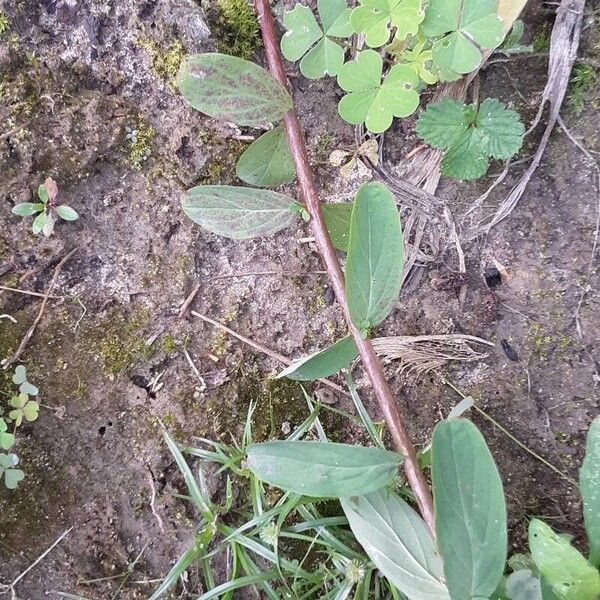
28,293
31,330
264,349
259,273
11,586
186,304
195,370
153,500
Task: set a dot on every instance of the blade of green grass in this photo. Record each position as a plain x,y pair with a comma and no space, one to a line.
202,504
241,582
184,561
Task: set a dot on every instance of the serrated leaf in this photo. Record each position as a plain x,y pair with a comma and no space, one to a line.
398,542
267,162
305,39
470,136
237,212
38,223
374,18
501,128
337,221
369,100
323,363
67,213
470,512
564,568
466,158
589,483
375,256
469,24
26,209
322,469
523,585
442,123
229,88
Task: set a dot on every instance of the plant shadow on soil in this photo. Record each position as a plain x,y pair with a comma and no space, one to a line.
109,357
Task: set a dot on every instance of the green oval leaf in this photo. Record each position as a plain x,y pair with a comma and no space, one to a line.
26,209
398,542
67,213
237,212
375,256
589,482
322,469
324,363
523,585
233,89
267,162
337,221
564,568
39,223
470,512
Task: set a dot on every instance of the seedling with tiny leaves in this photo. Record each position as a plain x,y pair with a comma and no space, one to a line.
439,40
47,209
20,408
471,136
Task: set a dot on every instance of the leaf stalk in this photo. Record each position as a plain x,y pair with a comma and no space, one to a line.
308,191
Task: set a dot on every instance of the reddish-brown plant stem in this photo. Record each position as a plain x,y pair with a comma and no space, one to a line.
308,190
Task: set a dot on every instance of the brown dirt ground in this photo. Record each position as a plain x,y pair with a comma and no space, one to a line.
95,452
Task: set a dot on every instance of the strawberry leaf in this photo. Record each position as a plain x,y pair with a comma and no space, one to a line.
471,137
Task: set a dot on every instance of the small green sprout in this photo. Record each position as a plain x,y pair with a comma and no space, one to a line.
11,475
4,23
7,439
47,209
23,408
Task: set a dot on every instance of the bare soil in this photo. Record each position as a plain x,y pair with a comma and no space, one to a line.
109,354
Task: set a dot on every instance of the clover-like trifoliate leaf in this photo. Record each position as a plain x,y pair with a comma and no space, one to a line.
466,25
305,39
421,61
374,18
372,101
23,408
20,375
6,439
11,475
470,136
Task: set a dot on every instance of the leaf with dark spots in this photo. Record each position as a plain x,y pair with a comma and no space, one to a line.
232,89
236,212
